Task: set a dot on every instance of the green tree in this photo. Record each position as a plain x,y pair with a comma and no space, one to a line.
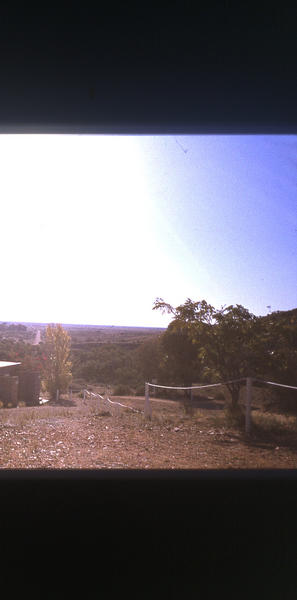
179,356
184,343
279,346
57,366
233,349
280,331
180,363
225,340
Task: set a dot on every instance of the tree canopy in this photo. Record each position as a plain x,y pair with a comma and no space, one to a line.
231,343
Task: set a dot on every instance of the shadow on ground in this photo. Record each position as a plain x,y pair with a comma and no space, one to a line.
208,404
283,440
263,441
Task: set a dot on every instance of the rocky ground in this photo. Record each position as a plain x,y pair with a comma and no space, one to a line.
92,435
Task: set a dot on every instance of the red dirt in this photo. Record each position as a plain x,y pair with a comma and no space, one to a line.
84,436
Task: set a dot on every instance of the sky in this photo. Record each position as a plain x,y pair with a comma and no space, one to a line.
94,228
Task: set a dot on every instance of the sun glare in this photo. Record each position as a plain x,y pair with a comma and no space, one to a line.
79,211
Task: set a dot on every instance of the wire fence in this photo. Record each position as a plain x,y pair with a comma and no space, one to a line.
292,387
107,399
148,407
195,387
248,397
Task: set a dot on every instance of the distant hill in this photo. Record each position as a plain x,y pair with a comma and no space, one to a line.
86,334
77,326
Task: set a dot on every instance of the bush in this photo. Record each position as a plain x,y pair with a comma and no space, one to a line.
122,390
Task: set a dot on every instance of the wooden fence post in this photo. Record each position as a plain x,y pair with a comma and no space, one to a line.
147,404
249,386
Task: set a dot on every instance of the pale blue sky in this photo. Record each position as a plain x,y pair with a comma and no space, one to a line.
94,228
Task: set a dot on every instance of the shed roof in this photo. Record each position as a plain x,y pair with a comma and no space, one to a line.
4,363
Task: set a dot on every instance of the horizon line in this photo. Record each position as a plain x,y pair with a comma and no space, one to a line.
81,324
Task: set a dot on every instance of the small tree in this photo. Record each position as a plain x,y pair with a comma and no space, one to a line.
183,342
57,367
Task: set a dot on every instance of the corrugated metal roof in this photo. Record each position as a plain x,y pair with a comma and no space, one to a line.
3,363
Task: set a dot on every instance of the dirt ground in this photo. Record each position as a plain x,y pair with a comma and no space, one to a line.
92,434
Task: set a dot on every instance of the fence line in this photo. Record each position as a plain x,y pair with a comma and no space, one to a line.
147,404
112,401
292,387
194,387
123,405
148,408
248,395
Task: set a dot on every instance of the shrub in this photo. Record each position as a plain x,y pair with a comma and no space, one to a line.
122,390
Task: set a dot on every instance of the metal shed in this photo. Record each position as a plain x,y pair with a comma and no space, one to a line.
9,382
17,385
7,367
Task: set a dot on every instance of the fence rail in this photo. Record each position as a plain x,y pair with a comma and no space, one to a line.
107,399
248,396
148,407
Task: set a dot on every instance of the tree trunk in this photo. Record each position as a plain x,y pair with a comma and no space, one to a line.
234,397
